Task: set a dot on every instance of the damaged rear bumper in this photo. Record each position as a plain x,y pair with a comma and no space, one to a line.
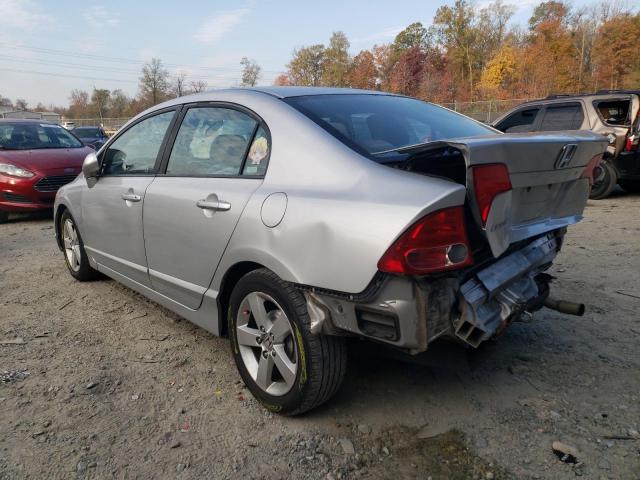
411,313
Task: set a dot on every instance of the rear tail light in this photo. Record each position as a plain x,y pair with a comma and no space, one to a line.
589,171
435,243
631,145
489,181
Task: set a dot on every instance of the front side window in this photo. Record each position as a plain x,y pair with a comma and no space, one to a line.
35,136
520,121
379,123
562,117
136,150
212,141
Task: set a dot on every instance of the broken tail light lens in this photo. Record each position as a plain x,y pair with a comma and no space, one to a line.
631,145
590,169
435,243
489,181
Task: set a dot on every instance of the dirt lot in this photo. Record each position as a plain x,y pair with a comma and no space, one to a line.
105,384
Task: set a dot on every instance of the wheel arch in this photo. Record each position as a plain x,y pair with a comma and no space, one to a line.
57,215
228,283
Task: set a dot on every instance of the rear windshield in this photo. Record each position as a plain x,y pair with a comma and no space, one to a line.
85,132
614,112
35,136
374,124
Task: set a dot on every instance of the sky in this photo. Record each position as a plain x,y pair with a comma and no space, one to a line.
48,48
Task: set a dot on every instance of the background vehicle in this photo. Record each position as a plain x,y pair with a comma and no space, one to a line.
36,158
68,125
93,137
612,113
290,218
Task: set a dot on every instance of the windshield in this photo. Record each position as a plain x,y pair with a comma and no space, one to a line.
379,123
86,132
31,136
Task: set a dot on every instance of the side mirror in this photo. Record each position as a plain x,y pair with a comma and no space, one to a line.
90,169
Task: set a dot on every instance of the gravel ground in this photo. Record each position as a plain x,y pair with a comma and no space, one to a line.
97,382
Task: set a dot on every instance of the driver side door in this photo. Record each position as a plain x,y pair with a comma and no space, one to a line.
112,208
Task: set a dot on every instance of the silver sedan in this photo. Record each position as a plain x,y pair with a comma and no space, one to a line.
292,218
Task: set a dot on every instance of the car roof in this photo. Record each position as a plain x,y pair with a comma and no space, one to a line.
609,94
25,121
287,92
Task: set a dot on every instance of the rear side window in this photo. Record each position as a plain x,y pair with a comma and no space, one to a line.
562,117
613,112
520,121
212,141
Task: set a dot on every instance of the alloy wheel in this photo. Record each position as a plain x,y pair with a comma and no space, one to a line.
71,244
266,343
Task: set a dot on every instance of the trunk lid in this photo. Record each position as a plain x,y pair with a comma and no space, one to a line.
546,173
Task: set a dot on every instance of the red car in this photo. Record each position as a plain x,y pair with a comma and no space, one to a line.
36,159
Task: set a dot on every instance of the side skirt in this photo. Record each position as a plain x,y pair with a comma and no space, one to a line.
205,317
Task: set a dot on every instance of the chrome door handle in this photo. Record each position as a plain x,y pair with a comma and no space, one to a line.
131,197
218,206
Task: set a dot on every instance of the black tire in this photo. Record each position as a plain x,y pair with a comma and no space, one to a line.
604,185
4,216
321,360
630,186
84,272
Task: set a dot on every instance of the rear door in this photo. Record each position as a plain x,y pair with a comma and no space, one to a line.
112,208
217,160
562,116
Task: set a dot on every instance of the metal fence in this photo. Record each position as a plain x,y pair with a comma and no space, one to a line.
485,111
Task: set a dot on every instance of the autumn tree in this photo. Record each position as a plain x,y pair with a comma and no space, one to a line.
282,80
617,64
154,83
250,72
362,72
120,104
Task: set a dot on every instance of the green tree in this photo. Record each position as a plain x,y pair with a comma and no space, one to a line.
250,72
455,30
337,61
415,35
305,68
154,83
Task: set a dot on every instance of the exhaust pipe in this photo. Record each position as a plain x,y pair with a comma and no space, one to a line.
563,306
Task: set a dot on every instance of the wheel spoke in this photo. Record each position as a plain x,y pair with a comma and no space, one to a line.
286,368
76,254
256,302
247,335
68,229
280,327
265,370
67,242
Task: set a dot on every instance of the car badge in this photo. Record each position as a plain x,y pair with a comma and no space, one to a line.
565,155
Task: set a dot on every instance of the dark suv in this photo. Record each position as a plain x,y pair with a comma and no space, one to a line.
612,113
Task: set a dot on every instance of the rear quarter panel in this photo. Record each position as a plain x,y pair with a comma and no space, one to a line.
342,212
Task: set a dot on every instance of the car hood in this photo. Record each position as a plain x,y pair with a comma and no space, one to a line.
46,160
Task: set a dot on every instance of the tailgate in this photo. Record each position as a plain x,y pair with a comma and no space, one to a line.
546,173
